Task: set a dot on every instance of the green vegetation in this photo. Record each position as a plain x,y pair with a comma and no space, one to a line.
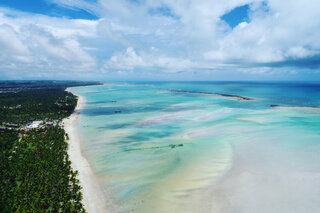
19,85
36,174
36,104
23,102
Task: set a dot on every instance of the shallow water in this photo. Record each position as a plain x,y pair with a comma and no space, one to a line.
156,150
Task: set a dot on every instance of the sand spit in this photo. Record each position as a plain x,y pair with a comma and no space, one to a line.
232,97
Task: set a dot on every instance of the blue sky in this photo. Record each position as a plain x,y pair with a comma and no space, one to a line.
236,16
48,8
160,40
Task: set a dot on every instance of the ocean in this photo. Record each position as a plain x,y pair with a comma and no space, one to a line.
204,146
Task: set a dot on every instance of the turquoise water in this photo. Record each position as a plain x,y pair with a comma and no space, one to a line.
170,147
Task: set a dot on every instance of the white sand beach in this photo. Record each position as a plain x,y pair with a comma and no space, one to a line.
94,199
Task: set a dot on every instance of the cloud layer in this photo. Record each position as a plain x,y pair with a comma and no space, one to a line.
278,40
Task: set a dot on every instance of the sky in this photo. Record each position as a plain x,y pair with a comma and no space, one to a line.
180,40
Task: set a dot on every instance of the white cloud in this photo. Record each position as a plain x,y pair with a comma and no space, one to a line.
130,37
275,32
300,52
130,60
43,44
127,60
12,47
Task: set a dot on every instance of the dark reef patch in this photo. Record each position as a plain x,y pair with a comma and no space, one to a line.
116,126
102,102
237,97
170,146
285,106
117,110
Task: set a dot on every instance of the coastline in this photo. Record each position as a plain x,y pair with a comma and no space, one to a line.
94,199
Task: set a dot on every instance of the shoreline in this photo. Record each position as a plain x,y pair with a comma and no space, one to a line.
94,199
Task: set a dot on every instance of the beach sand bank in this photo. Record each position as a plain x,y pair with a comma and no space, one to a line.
94,198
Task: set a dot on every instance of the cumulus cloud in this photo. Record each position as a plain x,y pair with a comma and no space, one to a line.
286,31
43,46
130,60
276,30
166,36
12,46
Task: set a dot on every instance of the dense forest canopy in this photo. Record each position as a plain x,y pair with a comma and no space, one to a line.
36,173
22,102
18,85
